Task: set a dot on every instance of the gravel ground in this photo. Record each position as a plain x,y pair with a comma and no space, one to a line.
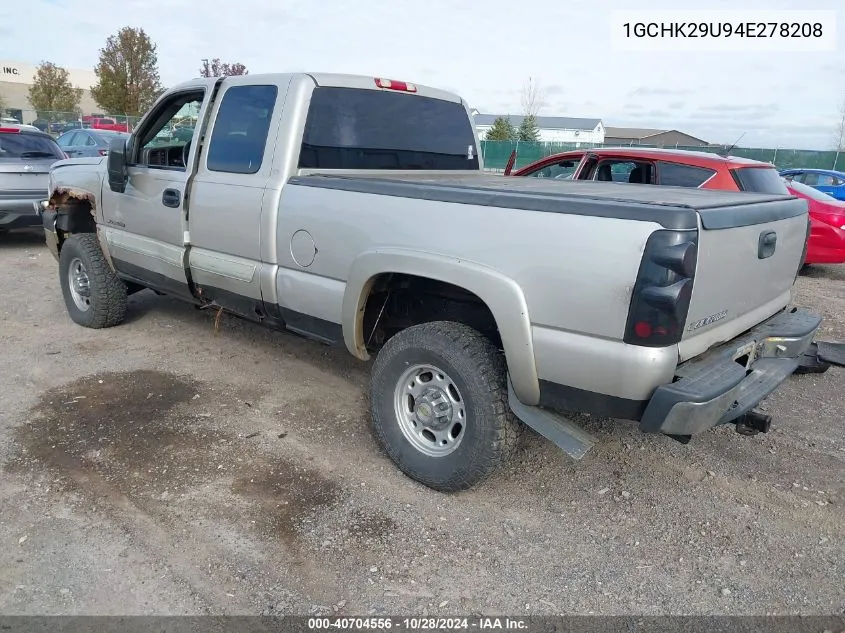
161,467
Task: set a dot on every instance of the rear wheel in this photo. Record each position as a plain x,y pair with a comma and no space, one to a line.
94,296
439,405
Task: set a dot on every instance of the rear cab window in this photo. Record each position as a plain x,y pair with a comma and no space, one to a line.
354,128
759,180
23,145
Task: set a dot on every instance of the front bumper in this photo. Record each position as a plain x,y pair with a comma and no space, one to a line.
731,379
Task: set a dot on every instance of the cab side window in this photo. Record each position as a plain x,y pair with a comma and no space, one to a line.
677,175
240,130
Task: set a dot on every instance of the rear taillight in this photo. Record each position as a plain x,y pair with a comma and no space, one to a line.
661,297
103,152
10,130
392,84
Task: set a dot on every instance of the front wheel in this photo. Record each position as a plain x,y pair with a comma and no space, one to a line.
94,295
439,405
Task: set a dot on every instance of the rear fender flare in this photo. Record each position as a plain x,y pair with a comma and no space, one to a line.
502,295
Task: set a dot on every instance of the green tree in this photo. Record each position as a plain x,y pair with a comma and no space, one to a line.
528,129
501,130
128,75
216,68
51,91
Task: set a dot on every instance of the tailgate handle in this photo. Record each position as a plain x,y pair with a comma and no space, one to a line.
766,244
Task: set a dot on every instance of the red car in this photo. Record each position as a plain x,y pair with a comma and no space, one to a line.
686,168
827,225
679,168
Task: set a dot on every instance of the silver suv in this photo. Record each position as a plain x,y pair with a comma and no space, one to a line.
25,158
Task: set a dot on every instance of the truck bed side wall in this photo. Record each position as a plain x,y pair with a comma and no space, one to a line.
592,259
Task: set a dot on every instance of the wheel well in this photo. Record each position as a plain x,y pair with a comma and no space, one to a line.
75,212
397,301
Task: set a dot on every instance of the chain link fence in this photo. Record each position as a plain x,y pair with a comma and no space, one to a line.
57,123
497,153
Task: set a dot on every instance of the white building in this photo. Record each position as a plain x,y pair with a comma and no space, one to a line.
553,129
17,77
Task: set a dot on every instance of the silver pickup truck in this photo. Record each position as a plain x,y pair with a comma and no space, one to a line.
355,211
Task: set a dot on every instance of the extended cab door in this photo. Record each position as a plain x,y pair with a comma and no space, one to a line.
228,205
145,224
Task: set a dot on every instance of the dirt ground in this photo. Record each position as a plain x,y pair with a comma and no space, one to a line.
160,468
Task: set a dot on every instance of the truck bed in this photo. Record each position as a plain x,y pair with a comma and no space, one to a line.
672,207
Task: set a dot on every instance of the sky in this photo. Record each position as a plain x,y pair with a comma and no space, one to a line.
485,51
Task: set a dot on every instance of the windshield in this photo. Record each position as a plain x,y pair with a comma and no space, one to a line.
22,145
759,180
810,192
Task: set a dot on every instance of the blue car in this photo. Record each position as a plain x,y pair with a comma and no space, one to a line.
828,181
80,142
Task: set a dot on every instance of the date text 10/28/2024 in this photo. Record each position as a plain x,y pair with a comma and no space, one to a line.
724,30
416,624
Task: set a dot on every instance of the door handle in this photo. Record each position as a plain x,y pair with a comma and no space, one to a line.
171,198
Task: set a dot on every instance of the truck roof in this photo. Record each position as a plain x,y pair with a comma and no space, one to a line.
341,80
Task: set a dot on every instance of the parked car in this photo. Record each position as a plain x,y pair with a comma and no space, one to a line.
107,123
673,167
25,158
529,298
827,225
90,142
827,181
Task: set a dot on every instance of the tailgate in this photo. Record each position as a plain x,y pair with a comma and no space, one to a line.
748,258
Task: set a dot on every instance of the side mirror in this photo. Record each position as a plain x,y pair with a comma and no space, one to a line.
117,165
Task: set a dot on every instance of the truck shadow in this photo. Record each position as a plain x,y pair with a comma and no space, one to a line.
334,360
23,238
818,271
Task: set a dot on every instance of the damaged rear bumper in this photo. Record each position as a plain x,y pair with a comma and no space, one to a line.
731,379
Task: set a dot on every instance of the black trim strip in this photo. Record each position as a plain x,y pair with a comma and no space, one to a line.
272,316
154,281
679,218
571,399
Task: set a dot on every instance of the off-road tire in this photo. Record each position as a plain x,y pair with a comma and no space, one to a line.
478,370
107,292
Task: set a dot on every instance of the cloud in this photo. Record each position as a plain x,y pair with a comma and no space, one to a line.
733,107
554,89
644,91
676,105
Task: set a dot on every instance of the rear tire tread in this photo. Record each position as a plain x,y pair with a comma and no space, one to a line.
483,367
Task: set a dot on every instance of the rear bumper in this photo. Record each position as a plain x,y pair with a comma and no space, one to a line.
20,213
731,379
